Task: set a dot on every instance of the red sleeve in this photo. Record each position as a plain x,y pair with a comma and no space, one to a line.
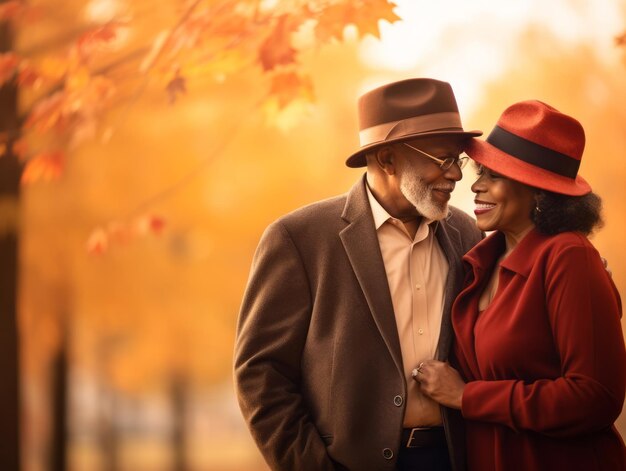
584,309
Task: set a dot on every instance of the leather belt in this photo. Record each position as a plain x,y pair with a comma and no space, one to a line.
420,437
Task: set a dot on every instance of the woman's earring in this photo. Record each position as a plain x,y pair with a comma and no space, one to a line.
537,208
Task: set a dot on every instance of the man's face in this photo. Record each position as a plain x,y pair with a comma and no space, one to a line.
421,180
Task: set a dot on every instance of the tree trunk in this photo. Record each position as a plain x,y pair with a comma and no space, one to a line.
109,436
178,392
59,406
10,172
107,426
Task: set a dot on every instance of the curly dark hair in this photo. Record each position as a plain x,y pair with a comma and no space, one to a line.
561,213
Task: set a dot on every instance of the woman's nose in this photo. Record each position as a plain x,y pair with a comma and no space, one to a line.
478,186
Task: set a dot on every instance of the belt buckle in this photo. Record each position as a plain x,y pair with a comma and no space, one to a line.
411,437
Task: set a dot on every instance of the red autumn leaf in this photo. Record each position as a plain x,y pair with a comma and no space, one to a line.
45,166
98,242
47,114
8,66
20,147
29,77
156,224
9,10
118,233
96,38
149,224
176,86
290,86
277,49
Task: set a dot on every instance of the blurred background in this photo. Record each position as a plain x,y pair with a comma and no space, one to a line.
146,146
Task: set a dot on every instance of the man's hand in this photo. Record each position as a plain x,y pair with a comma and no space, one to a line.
440,382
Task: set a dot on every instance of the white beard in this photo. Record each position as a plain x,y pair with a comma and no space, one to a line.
420,194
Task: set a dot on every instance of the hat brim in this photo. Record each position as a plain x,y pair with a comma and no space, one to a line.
357,159
523,172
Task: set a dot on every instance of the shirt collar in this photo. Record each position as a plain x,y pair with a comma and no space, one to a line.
380,214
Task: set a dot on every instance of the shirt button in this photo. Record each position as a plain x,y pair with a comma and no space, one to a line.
418,286
397,400
387,453
420,331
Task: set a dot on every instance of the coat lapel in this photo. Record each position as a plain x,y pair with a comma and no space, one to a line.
361,244
449,239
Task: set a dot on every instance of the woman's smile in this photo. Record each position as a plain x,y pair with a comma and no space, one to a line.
482,207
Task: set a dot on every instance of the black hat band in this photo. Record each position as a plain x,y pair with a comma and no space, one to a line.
532,153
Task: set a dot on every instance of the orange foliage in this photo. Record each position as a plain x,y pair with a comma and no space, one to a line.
277,49
122,232
45,166
47,114
89,43
8,65
11,9
20,147
29,77
232,33
219,38
287,87
364,15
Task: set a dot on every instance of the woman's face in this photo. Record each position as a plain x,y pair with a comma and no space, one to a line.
502,204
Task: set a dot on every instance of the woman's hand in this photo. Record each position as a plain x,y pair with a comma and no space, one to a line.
440,382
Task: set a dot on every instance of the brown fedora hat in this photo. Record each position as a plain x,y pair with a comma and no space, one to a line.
405,110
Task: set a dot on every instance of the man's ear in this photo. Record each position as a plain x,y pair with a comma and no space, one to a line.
386,159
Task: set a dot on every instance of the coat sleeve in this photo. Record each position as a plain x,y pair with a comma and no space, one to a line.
584,309
271,334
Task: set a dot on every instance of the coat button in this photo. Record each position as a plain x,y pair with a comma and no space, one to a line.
397,400
387,453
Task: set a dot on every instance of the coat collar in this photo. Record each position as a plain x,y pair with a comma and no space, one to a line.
361,245
482,259
521,259
449,239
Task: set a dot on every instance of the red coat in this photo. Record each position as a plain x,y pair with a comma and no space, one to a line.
545,362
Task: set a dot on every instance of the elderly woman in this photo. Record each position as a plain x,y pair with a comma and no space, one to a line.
539,344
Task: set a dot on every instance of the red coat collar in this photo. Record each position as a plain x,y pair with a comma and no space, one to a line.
521,259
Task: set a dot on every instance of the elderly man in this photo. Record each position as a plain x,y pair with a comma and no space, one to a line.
348,295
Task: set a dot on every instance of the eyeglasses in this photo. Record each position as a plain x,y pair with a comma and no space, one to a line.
444,164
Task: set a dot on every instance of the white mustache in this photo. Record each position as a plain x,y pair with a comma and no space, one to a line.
443,187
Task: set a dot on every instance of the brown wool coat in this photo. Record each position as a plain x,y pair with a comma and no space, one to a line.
318,367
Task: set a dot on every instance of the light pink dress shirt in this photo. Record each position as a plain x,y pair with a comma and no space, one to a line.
416,271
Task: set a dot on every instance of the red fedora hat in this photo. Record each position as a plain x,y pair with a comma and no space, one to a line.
537,145
404,110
